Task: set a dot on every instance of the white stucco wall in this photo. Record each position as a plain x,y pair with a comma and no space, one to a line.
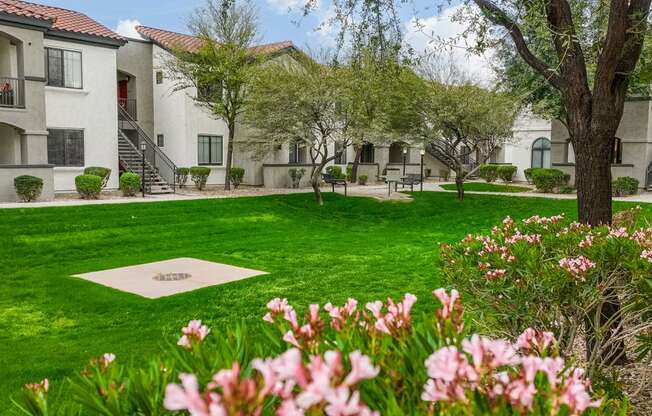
518,152
92,109
181,121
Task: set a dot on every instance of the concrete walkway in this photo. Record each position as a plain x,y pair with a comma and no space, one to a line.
377,191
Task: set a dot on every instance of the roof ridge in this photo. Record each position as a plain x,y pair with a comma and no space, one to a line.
196,37
46,5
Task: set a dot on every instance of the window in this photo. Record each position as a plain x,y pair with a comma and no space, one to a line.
63,68
367,155
159,77
65,147
341,158
541,153
209,150
297,153
160,140
617,151
396,152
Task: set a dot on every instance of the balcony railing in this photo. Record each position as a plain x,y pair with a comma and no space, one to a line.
12,92
129,105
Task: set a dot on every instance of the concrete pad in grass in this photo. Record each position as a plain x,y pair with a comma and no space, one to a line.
169,277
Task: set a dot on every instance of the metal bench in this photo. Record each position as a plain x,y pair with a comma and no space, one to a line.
332,181
410,180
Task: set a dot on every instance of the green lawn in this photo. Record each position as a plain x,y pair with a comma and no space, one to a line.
51,323
487,187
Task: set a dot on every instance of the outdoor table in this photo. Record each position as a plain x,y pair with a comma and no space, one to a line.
389,183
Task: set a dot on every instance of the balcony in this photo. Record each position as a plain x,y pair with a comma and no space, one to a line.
129,105
12,92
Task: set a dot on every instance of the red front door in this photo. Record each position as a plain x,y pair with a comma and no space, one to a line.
122,91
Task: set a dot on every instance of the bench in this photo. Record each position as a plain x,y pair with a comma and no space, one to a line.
332,181
410,180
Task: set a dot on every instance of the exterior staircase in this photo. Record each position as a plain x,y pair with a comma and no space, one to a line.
131,159
160,171
445,158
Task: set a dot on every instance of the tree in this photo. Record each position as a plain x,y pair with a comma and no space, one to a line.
456,122
222,68
302,102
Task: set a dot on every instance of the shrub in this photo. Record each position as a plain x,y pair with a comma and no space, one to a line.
625,186
349,173
88,186
362,179
103,173
199,175
28,188
335,171
348,357
488,172
507,172
528,174
181,176
295,176
551,274
130,183
237,174
549,180
445,174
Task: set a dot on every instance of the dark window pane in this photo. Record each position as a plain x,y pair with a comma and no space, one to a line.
209,150
56,149
367,155
74,148
160,140
66,147
54,59
159,77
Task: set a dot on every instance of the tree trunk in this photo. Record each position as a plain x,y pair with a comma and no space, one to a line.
459,184
356,162
229,157
593,180
315,181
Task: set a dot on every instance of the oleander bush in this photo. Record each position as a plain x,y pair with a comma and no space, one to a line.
336,172
181,176
362,179
295,176
558,275
199,175
103,173
507,172
28,188
130,183
88,186
549,180
339,360
625,186
488,172
236,176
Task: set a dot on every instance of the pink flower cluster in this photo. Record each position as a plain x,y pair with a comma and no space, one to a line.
451,310
397,320
341,316
40,388
320,385
643,237
299,335
545,221
529,238
647,255
587,241
578,267
192,334
495,274
618,232
495,369
535,341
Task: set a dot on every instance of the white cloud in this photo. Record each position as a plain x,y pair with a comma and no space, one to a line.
283,6
426,36
127,28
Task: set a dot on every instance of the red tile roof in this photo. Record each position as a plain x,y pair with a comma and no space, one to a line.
61,19
170,40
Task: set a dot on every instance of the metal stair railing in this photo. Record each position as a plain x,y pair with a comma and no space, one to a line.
150,171
155,157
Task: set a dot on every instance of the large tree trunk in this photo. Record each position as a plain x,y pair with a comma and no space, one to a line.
593,181
315,181
459,184
356,162
229,157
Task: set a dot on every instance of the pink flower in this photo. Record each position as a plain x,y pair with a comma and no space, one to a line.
106,359
448,302
618,232
38,388
375,308
532,339
578,267
194,332
587,242
314,312
647,255
575,393
291,339
361,369
522,393
495,274
186,397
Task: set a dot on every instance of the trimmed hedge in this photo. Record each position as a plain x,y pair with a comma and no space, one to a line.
236,176
336,172
182,176
103,173
625,186
549,180
488,172
88,186
295,176
528,173
507,172
199,175
362,179
130,184
28,188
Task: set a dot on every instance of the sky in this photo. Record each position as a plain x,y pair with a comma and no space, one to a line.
282,20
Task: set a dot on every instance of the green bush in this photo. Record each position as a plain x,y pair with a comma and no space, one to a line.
528,173
103,173
335,172
488,172
362,179
28,188
444,174
625,186
236,176
549,180
130,184
182,176
295,176
507,172
199,175
88,186
349,173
